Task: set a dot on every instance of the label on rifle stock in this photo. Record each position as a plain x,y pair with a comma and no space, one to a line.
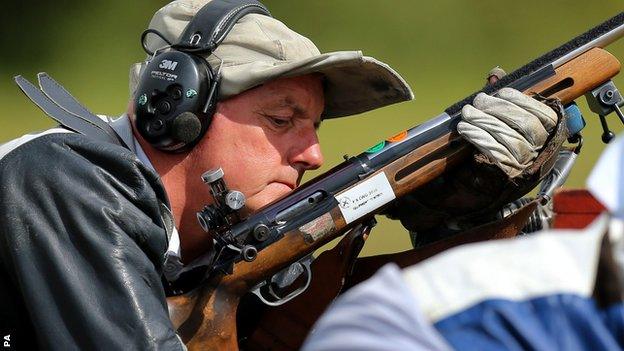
365,197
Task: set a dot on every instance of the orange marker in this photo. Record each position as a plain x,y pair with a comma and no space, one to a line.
398,137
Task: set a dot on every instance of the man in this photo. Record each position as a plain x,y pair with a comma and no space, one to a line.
85,241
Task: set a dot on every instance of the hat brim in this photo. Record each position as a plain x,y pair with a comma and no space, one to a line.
353,83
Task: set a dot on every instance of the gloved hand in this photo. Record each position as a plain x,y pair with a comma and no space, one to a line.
509,128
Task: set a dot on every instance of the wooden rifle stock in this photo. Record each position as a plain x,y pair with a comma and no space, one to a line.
206,317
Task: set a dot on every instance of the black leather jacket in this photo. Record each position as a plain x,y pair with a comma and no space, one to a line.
82,245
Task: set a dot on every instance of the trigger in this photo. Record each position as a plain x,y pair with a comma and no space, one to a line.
267,294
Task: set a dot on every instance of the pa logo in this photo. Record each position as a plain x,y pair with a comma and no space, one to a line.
168,64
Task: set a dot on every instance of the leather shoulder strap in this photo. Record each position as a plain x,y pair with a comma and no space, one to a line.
57,103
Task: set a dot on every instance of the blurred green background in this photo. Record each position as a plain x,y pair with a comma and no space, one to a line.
442,48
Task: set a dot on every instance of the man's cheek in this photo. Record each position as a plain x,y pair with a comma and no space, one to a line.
267,195
255,202
247,182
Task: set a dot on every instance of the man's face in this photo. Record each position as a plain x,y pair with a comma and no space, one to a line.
264,140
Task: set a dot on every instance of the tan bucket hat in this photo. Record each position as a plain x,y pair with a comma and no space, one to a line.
260,48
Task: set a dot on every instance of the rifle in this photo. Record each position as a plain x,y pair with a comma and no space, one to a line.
252,250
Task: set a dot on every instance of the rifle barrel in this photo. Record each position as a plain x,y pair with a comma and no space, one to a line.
613,30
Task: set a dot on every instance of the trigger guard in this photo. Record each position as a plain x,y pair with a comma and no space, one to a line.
274,299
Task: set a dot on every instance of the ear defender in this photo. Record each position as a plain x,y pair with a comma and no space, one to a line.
171,100
177,90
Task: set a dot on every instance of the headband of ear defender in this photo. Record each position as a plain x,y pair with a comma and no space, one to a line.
177,90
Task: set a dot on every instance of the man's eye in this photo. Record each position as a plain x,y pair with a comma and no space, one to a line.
279,122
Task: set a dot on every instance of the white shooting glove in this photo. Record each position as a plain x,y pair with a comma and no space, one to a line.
509,128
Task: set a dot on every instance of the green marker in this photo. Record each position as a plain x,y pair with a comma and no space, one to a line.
376,148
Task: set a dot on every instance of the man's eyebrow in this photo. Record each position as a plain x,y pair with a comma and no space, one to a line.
286,101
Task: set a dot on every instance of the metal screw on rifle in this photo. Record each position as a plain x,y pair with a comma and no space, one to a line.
261,232
609,94
235,200
613,98
249,253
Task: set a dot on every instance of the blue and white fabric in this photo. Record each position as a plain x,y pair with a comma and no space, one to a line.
530,293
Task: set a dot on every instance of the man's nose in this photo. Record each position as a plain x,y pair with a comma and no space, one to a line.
306,153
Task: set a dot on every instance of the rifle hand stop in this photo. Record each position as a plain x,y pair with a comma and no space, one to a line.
603,100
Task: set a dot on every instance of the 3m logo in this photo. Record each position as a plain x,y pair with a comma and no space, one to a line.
168,64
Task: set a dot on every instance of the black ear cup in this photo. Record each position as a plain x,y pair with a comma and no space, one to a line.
177,90
187,127
171,100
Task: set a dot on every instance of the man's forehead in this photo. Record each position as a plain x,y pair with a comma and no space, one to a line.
301,98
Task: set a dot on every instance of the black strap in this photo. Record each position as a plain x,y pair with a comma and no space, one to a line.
214,21
65,100
57,103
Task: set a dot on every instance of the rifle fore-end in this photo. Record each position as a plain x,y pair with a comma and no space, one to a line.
203,316
578,76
